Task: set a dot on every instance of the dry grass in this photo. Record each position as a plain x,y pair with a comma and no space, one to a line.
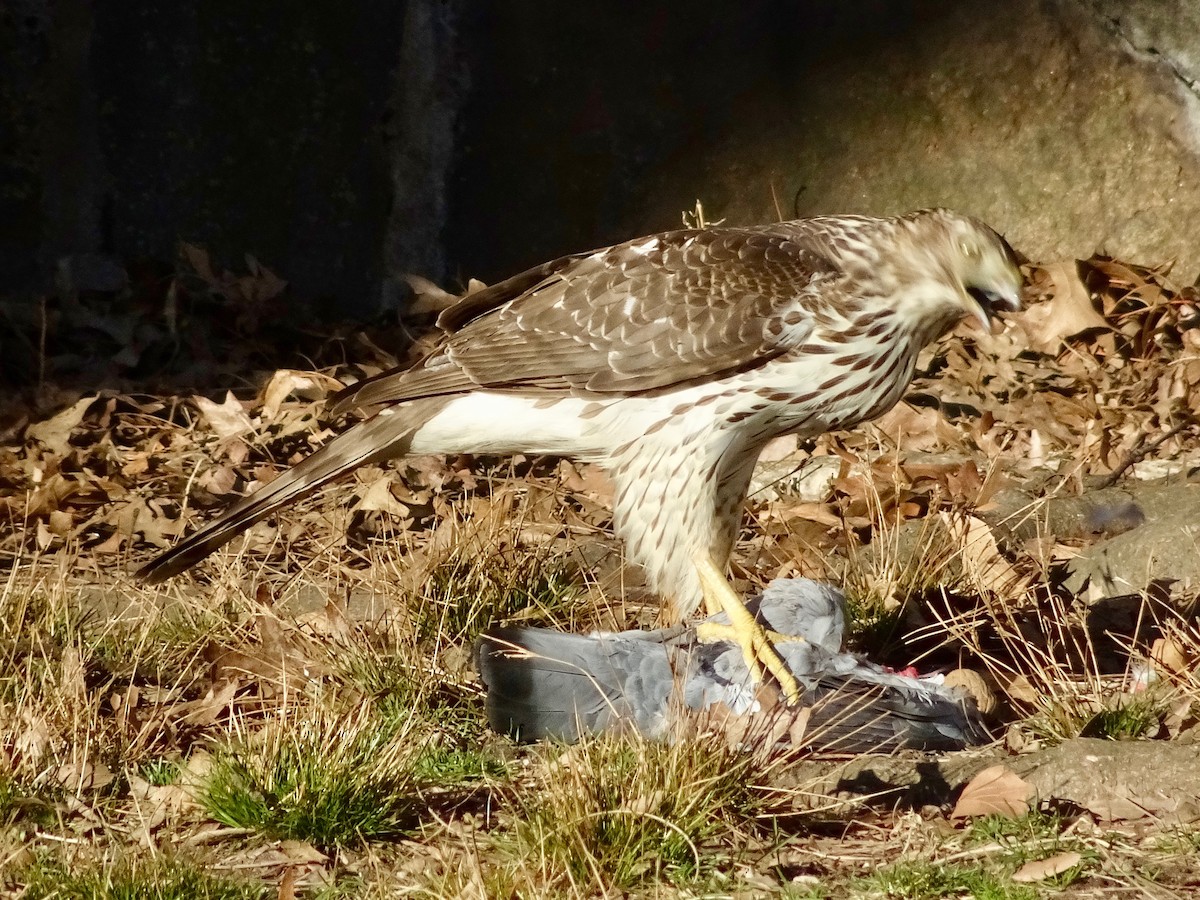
200,741
300,716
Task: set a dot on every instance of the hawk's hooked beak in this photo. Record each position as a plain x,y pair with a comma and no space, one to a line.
989,304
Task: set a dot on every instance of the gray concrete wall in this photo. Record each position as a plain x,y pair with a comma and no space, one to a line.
1069,125
345,144
247,128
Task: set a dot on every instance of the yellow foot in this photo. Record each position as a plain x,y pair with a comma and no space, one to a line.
742,629
711,632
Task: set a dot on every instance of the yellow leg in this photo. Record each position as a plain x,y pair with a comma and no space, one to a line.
743,630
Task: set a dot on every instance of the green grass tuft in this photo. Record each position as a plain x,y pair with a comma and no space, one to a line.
1128,719
334,779
1007,830
930,881
453,766
873,624
466,593
20,803
161,771
619,811
1118,718
399,683
153,880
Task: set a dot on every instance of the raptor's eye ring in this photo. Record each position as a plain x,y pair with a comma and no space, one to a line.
969,249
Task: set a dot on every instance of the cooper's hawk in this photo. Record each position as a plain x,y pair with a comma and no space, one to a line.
671,360
546,684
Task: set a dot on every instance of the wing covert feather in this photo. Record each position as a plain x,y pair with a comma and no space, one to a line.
640,316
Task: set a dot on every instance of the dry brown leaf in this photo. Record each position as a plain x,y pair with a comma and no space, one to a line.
71,674
427,296
819,513
54,434
287,884
997,790
32,741
61,522
917,429
43,537
975,686
225,420
301,852
378,497
278,661
330,621
218,480
1123,804
1020,689
1069,310
196,768
1181,715
84,775
208,708
155,803
587,479
1168,656
647,803
111,544
51,495
308,386
1041,869
983,562
198,259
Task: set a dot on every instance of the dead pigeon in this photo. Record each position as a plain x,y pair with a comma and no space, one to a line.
543,683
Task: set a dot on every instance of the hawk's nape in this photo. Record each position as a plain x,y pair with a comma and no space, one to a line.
671,360
544,684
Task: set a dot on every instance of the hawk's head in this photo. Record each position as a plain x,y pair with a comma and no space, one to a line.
974,262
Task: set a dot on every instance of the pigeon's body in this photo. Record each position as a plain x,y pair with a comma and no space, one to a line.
546,684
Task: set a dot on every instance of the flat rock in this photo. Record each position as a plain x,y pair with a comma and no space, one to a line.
1118,779
1111,779
1162,548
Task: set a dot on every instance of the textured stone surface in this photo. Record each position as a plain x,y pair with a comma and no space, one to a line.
1033,116
1163,33
1117,779
345,145
1112,779
1165,546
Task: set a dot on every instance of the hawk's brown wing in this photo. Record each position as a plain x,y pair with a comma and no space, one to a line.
640,316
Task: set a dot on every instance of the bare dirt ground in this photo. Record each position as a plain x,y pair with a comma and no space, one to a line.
300,716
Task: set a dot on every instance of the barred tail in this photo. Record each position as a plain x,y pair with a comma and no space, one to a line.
386,435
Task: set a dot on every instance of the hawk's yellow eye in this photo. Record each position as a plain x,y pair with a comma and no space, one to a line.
970,249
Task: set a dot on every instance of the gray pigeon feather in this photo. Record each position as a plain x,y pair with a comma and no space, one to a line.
543,683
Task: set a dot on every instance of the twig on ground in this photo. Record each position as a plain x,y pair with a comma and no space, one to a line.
1140,451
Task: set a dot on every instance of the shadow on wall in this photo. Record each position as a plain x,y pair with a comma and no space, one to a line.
573,117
